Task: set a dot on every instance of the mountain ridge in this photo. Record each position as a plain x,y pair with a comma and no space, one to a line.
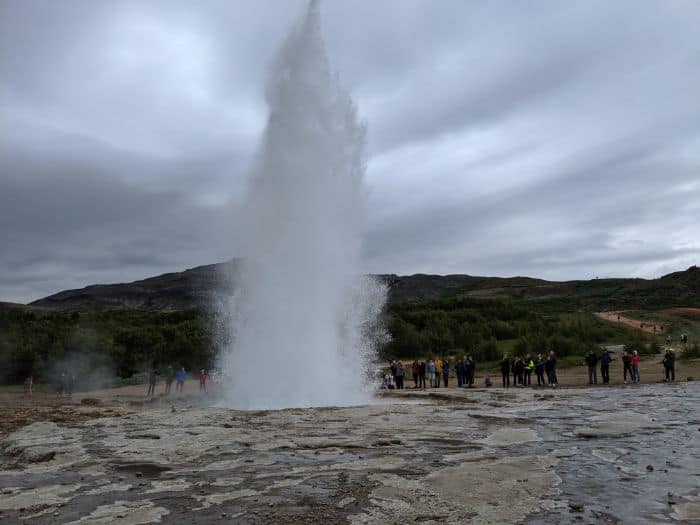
202,286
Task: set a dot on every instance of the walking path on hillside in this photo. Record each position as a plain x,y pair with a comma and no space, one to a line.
651,327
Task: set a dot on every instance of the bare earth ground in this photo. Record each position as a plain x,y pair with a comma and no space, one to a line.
18,410
628,454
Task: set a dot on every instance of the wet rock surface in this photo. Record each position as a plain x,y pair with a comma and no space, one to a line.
478,456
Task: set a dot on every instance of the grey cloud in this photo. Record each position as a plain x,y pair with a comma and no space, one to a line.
554,139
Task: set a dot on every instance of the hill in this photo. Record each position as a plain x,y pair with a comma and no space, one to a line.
198,287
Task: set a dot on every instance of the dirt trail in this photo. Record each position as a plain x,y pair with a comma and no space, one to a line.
650,327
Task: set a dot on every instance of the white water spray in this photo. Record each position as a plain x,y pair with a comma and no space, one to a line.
304,319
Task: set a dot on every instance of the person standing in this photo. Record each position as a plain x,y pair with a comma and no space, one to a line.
399,375
169,376
467,367
529,367
505,370
28,385
152,378
459,370
430,368
551,368
415,370
539,370
446,373
438,371
635,367
70,383
670,365
592,362
388,379
203,376
518,371
627,366
605,366
421,377
180,378
472,371
61,383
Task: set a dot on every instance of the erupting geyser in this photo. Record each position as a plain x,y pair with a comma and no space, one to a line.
304,319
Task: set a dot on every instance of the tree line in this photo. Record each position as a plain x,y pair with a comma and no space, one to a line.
122,343
486,328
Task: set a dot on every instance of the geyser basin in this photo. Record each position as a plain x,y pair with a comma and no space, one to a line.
304,318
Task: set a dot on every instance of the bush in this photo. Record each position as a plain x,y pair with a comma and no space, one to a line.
691,352
655,347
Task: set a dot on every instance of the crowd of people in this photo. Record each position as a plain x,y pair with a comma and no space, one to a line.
179,377
65,383
433,373
522,368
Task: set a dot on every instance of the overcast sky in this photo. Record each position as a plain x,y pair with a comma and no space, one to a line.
553,139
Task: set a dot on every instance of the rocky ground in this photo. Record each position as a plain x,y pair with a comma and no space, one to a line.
595,455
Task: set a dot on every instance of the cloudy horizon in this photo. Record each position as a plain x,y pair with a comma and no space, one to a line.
555,140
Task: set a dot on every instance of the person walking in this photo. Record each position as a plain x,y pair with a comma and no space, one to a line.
505,370
421,377
592,362
415,369
399,375
635,367
605,366
539,370
669,363
180,378
627,366
446,373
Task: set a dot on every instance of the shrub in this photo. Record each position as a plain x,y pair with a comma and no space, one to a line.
691,352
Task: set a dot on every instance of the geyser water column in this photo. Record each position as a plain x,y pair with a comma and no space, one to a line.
304,319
